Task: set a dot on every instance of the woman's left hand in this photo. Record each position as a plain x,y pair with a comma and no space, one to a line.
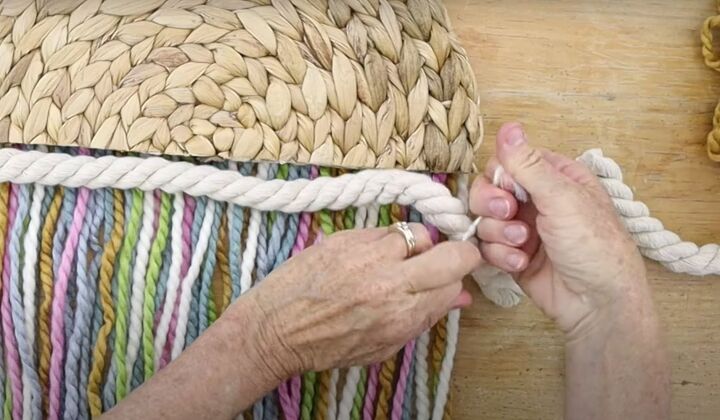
356,299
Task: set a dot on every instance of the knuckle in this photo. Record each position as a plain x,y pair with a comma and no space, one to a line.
484,229
422,235
530,159
465,253
475,195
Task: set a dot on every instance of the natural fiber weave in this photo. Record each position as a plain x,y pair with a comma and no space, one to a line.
352,83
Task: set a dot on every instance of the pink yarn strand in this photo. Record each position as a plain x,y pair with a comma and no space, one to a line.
184,267
11,350
402,381
371,393
289,392
57,322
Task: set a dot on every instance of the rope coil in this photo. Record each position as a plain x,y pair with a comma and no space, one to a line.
712,60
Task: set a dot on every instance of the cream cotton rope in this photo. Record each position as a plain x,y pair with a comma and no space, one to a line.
434,201
370,187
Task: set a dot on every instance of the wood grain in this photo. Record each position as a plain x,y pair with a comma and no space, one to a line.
626,76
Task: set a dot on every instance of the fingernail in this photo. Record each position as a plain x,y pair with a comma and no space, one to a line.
517,234
516,137
499,207
515,261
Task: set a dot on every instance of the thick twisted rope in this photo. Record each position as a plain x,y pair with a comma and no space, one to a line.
713,61
434,201
359,189
655,242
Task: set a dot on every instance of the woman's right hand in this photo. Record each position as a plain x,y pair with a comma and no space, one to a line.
569,250
573,257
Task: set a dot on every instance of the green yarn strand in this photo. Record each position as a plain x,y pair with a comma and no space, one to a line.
151,278
124,264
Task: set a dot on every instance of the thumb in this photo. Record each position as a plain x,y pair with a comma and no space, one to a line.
527,166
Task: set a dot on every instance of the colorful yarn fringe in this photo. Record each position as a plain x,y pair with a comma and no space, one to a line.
102,288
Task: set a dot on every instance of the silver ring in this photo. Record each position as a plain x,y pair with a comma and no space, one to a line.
404,229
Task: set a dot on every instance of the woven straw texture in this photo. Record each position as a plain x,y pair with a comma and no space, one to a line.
351,83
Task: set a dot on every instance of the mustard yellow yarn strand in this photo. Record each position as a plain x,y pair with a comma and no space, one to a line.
105,288
45,269
223,264
387,370
4,191
438,351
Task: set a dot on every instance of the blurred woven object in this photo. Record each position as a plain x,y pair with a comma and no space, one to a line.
358,84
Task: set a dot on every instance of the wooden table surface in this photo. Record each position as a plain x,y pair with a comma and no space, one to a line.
626,76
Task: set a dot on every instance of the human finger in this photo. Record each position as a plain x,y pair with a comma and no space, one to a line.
487,200
392,244
507,258
512,233
443,264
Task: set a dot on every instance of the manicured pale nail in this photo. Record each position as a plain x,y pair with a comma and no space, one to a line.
514,260
517,234
499,207
516,137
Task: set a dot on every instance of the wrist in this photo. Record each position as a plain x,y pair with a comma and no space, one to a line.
616,363
630,311
262,348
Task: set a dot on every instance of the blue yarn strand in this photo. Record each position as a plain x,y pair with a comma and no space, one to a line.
206,275
192,326
83,307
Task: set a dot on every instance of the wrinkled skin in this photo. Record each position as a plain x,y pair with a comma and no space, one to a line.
355,299
567,247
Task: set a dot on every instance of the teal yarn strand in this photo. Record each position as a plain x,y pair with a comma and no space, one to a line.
293,220
193,316
97,320
83,311
280,241
262,268
77,365
275,238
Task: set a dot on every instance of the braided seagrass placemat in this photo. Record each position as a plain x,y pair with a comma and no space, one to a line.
356,83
